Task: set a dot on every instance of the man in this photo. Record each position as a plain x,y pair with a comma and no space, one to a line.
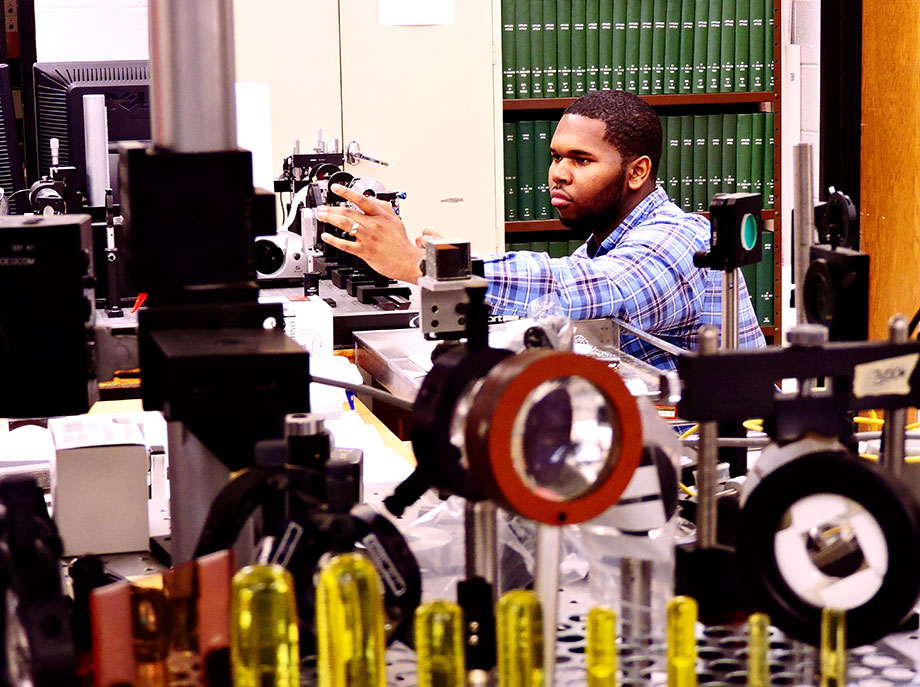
636,265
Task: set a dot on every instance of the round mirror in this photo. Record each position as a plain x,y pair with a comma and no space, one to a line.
563,439
831,551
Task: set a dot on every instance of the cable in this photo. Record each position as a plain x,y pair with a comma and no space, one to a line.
687,490
910,460
378,394
692,430
912,426
875,422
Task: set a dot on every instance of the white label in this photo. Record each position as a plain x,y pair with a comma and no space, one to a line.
889,377
385,565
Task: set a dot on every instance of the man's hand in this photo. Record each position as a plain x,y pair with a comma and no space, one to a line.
380,237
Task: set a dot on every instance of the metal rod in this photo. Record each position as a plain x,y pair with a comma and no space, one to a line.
804,222
636,599
707,461
481,526
645,336
892,458
546,585
193,104
377,394
96,145
731,442
730,309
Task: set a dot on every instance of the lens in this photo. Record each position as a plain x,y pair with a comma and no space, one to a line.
748,232
268,256
563,441
831,551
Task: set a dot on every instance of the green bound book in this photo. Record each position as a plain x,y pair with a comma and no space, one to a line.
757,46
672,47
542,207
633,21
687,34
539,246
700,45
765,278
713,157
525,167
573,245
522,48
757,145
536,48
729,152
749,274
743,143
592,45
579,47
768,26
509,133
508,34
619,44
686,163
769,175
714,47
549,49
659,43
673,155
558,249
517,247
605,45
661,176
646,37
564,48
727,74
700,180
742,46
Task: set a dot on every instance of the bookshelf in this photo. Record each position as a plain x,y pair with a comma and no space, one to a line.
683,104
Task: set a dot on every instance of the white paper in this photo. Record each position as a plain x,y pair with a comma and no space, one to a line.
415,12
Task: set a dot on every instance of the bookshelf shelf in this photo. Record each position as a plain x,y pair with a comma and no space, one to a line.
678,100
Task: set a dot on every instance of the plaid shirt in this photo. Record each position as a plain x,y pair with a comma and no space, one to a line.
642,273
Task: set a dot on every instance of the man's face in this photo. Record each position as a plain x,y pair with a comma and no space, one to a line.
587,178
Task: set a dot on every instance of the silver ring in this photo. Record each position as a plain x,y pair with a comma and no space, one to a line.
354,228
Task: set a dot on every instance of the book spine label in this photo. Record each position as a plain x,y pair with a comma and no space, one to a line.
592,44
714,155
619,44
714,47
522,48
687,34
542,207
672,47
633,20
659,44
508,62
549,49
765,280
525,151
729,26
756,45
564,48
646,37
509,133
700,181
742,46
673,155
605,44
729,152
579,47
757,154
686,163
536,48
743,143
700,45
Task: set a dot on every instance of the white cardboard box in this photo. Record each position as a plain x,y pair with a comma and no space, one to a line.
99,484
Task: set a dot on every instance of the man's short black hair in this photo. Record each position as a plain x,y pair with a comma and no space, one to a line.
633,126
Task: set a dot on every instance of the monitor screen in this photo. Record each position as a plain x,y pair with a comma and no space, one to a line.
59,91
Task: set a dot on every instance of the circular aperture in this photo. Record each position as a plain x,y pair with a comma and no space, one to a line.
749,232
564,439
269,257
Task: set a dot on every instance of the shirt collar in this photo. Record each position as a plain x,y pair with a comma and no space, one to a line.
639,214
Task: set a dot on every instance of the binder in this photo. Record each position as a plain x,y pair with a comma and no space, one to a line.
592,29
538,246
672,47
525,167
687,34
508,34
729,152
646,36
714,47
558,249
727,77
549,48
673,156
564,48
522,48
542,207
686,163
700,45
536,48
757,154
633,19
743,143
661,176
764,276
757,46
579,47
619,44
768,26
509,147
768,160
573,245
659,40
605,45
740,78
700,181
713,157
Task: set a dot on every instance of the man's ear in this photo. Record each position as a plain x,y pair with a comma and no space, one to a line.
638,172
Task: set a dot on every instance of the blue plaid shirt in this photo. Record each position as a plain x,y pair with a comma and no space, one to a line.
642,273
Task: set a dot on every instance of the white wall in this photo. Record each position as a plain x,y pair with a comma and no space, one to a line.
91,30
806,33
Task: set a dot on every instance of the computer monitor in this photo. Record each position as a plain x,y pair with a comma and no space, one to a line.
12,176
59,91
